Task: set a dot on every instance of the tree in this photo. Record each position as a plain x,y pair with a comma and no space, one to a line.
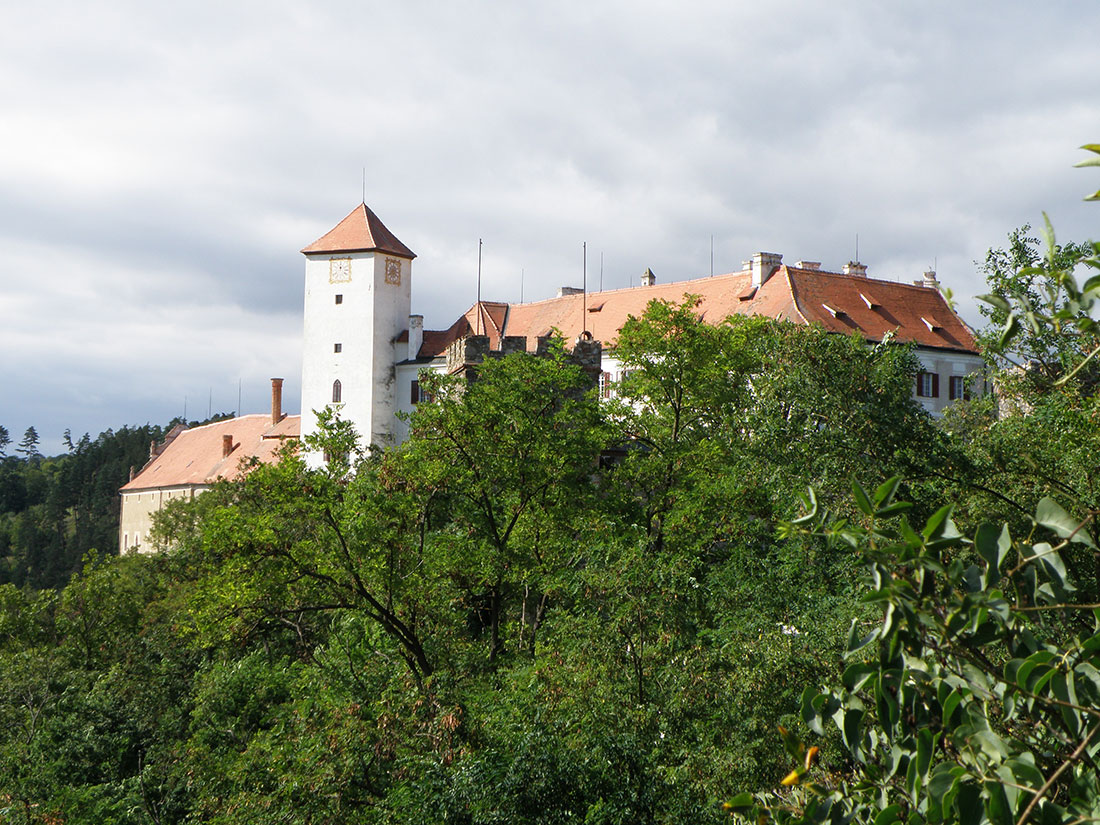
1040,315
975,696
5,440
29,445
506,462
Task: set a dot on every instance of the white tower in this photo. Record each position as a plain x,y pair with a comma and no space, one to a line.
357,301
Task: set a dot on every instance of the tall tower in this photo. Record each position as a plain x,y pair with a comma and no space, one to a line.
357,301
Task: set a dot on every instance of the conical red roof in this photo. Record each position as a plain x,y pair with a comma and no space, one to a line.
360,231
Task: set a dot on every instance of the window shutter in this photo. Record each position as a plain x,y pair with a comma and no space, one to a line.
935,385
951,388
920,387
415,393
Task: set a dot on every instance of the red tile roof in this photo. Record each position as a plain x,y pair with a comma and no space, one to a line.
799,295
195,456
360,231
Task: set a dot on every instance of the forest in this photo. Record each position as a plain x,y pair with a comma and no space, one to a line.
763,583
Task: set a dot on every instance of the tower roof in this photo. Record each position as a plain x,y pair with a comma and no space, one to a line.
360,231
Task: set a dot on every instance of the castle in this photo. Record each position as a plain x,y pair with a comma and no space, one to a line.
363,348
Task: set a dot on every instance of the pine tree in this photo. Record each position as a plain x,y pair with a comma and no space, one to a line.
29,445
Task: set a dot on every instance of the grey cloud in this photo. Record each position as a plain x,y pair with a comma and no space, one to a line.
172,160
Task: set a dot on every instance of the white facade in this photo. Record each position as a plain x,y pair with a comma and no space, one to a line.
957,375
356,304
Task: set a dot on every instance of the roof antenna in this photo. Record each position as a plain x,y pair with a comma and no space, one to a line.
478,329
364,185
584,284
856,261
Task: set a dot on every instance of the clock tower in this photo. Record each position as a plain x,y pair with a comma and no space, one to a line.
357,301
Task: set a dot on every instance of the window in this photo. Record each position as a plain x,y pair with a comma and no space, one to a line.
959,388
605,385
339,299
337,347
928,385
418,395
336,393
125,541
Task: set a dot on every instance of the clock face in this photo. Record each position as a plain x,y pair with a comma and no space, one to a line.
393,271
339,270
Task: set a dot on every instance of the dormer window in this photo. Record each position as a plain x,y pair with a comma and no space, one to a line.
833,310
870,303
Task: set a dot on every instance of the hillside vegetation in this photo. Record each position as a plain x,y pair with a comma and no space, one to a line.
548,608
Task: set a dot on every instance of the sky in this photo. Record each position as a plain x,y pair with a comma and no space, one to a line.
163,164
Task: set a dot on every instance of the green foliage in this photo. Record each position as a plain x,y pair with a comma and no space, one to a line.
974,696
54,510
544,607
1041,314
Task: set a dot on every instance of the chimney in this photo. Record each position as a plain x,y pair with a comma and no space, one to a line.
763,264
929,280
855,268
648,278
813,266
569,290
276,401
416,336
227,445
131,472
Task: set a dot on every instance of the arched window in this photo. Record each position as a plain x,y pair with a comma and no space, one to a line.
336,392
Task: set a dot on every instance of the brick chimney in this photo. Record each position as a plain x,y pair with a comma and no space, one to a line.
648,278
227,445
855,268
276,401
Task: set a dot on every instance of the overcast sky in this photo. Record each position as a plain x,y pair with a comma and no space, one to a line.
162,164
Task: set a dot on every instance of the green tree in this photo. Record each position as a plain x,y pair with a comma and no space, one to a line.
505,465
974,698
29,445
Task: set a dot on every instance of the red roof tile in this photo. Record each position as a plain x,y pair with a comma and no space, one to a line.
360,231
195,456
790,294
